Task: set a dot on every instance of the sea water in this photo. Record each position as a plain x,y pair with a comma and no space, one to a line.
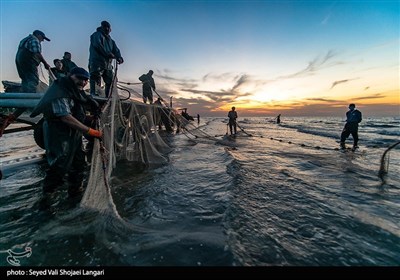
280,195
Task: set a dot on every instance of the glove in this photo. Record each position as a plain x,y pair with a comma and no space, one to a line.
95,133
120,60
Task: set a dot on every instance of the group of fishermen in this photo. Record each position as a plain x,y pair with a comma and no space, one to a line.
65,103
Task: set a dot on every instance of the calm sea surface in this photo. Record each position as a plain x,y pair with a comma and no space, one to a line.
280,197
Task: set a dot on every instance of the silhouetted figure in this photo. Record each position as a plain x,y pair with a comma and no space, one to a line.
353,118
186,115
232,115
278,119
67,62
102,51
164,116
58,71
148,85
198,119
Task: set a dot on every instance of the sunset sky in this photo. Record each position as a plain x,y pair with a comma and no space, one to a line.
264,57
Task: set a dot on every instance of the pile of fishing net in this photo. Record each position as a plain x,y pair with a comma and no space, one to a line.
129,133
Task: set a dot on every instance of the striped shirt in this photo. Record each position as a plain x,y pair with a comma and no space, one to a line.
62,106
32,44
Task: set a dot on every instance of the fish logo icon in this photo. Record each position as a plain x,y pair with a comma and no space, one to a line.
13,257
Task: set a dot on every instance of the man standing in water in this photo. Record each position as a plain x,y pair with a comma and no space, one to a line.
232,115
353,118
63,109
278,119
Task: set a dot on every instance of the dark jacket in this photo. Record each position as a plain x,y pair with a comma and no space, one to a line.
148,83
68,65
354,116
102,50
62,88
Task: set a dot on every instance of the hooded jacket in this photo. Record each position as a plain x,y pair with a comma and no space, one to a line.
102,50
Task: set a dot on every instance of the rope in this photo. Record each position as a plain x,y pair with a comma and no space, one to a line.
129,93
102,147
384,168
130,89
129,83
242,129
46,80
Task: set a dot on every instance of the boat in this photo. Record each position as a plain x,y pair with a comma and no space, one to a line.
132,130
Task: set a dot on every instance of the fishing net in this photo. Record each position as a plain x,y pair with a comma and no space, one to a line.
129,133
384,166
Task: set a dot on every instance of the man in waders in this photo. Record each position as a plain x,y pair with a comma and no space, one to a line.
63,109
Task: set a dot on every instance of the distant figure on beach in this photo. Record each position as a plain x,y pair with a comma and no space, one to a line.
198,119
148,85
278,119
353,118
28,58
102,51
232,115
58,71
67,62
63,110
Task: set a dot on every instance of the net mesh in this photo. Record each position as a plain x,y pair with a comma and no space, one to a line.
129,133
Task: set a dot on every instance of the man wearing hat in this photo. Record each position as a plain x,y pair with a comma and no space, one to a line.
64,114
28,58
101,53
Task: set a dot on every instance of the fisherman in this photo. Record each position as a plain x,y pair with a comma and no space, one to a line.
278,119
186,115
28,58
148,84
64,114
58,71
67,62
353,118
232,115
102,51
164,116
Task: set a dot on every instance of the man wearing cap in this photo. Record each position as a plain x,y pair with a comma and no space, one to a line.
64,114
102,51
28,58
